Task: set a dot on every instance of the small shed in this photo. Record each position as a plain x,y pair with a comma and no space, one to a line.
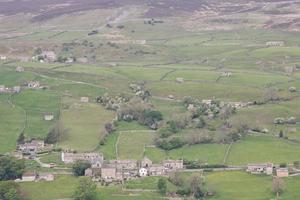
84,99
48,116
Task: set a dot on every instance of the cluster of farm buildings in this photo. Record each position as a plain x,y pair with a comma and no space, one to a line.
109,171
119,170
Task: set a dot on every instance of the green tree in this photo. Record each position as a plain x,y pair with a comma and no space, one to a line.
11,168
9,191
196,187
56,134
86,190
162,185
80,166
21,138
281,134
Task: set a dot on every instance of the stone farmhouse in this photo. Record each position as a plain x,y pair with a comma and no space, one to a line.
34,176
173,165
275,43
261,168
96,159
32,147
49,56
6,90
119,170
33,84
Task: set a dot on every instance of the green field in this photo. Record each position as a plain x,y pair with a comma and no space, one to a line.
11,124
84,124
262,149
205,153
36,103
131,144
64,186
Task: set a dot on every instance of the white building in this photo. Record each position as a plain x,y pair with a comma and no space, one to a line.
143,172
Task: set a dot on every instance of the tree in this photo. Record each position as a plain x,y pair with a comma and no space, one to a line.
11,168
9,190
176,179
86,190
21,138
109,127
162,185
281,134
56,134
270,94
201,123
196,187
278,186
297,164
80,166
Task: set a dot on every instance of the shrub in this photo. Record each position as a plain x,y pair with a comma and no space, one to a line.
80,166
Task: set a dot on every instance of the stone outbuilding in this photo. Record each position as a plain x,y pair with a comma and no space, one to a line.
84,99
29,177
282,172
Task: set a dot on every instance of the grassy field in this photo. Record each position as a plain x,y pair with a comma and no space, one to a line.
64,186
131,144
54,157
206,153
261,149
239,185
36,103
85,123
12,120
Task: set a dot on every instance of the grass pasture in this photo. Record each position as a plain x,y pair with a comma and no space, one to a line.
203,90
12,120
262,149
239,185
64,186
131,144
84,123
36,103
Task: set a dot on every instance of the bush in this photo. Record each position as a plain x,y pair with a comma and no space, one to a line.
162,186
80,166
173,143
282,165
86,190
11,168
9,191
